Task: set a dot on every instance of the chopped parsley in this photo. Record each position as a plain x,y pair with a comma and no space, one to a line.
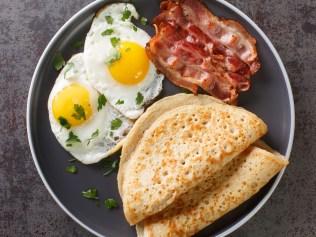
134,28
72,138
64,122
126,14
139,98
116,57
143,21
109,20
107,32
58,61
69,66
79,112
111,134
91,193
110,166
119,102
101,101
93,136
110,203
78,44
71,169
116,123
115,41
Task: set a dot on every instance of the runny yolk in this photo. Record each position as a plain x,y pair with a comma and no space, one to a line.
71,104
132,66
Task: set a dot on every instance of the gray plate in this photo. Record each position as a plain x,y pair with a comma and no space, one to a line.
270,97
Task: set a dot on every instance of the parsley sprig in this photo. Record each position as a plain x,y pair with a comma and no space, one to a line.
58,62
116,123
79,112
107,32
126,14
143,21
93,136
110,203
119,102
115,41
71,169
101,101
139,98
109,20
72,138
91,193
64,122
110,166
116,57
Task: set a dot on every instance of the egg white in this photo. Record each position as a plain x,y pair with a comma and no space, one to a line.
98,51
108,141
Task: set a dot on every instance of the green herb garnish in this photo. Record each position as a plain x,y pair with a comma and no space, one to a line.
71,169
109,20
139,98
91,193
116,123
58,62
79,112
134,28
110,166
115,41
64,122
69,66
101,101
116,57
119,102
72,138
107,32
143,21
93,136
110,203
78,44
126,14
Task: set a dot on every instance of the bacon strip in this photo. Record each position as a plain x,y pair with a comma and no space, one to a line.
194,48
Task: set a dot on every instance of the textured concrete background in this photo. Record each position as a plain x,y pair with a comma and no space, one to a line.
26,209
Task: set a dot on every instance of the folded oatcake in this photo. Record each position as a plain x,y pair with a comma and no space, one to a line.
178,143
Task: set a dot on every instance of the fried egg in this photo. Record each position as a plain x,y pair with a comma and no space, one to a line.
81,119
116,62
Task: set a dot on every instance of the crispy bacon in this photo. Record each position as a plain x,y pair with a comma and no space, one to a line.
194,48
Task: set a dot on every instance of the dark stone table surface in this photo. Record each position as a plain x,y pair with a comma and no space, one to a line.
26,208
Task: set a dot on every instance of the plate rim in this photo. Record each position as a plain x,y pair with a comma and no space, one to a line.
230,6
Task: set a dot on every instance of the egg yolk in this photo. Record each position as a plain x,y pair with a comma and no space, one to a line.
72,104
132,65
